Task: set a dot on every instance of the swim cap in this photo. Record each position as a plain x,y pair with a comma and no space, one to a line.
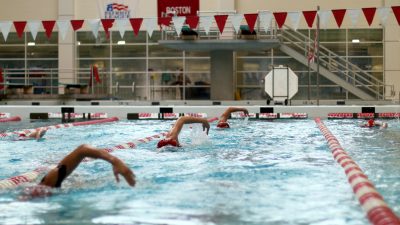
223,124
371,122
165,142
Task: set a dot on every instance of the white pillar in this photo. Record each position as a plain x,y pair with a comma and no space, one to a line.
66,47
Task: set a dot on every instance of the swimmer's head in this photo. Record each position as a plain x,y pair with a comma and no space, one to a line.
42,133
166,142
223,124
371,122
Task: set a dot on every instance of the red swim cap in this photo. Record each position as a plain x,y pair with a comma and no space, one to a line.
371,122
223,124
165,142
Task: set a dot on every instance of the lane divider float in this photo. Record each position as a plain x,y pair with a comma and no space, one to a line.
65,125
10,119
378,212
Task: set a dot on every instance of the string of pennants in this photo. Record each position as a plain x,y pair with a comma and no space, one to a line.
193,22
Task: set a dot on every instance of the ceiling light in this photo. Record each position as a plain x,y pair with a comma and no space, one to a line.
121,42
356,41
31,43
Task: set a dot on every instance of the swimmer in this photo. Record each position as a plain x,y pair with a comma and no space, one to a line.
37,134
55,177
172,136
372,123
223,119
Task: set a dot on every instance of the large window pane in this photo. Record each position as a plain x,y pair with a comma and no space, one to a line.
41,38
129,51
253,64
126,65
12,52
161,51
42,52
93,51
166,64
197,65
365,49
129,37
365,35
12,39
87,37
331,35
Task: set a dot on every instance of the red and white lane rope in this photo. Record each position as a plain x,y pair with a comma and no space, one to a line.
378,212
84,123
11,119
31,176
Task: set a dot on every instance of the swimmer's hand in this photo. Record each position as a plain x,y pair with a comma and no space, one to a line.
206,126
120,168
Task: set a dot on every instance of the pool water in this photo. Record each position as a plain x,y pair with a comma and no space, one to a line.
257,172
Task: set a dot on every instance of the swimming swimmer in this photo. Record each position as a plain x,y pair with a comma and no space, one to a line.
223,120
37,134
55,177
372,123
172,137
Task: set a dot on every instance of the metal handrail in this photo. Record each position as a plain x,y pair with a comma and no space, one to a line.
336,63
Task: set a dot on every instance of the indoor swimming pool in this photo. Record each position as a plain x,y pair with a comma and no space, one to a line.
274,172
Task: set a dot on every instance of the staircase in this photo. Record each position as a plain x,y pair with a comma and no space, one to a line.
332,66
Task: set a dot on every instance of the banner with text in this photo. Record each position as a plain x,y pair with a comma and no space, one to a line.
178,8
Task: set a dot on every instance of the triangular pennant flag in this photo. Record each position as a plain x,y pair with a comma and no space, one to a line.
324,17
280,18
19,27
121,25
107,24
136,23
383,14
166,21
396,11
369,14
339,15
265,20
77,24
206,22
62,28
95,25
354,14
48,26
294,19
192,21
251,20
178,23
5,28
34,28
309,16
236,20
221,21
150,25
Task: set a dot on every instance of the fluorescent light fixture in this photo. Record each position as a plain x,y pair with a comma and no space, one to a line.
31,43
355,40
79,43
121,42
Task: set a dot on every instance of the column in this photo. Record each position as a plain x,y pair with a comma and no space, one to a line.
222,75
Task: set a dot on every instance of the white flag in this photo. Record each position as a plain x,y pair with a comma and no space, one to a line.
324,17
121,25
265,20
34,28
5,28
354,14
206,22
95,26
383,14
294,19
150,24
178,23
236,20
63,26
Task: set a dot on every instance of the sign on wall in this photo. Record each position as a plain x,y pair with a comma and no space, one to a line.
178,7
117,9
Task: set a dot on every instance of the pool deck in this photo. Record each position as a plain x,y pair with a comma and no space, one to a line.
121,109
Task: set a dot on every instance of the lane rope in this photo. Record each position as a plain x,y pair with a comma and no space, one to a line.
378,212
10,119
65,125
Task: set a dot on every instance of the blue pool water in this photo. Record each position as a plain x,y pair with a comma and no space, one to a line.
260,172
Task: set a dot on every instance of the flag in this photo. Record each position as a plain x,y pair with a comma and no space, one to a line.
312,52
94,72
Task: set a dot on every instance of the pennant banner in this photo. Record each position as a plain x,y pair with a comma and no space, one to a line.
354,14
95,26
251,20
383,14
324,17
206,22
339,15
396,11
77,24
121,26
178,23
136,23
5,28
48,27
221,21
192,21
280,18
265,20
236,20
369,14
19,27
166,21
294,19
107,24
309,16
150,24
34,28
62,28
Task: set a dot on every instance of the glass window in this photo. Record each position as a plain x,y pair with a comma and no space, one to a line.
161,51
365,49
42,52
197,65
87,37
42,63
125,65
129,37
41,38
93,51
12,63
12,39
166,64
365,35
253,64
331,35
129,51
7,52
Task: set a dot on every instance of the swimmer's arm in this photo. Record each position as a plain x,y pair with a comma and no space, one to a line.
72,160
225,116
187,120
